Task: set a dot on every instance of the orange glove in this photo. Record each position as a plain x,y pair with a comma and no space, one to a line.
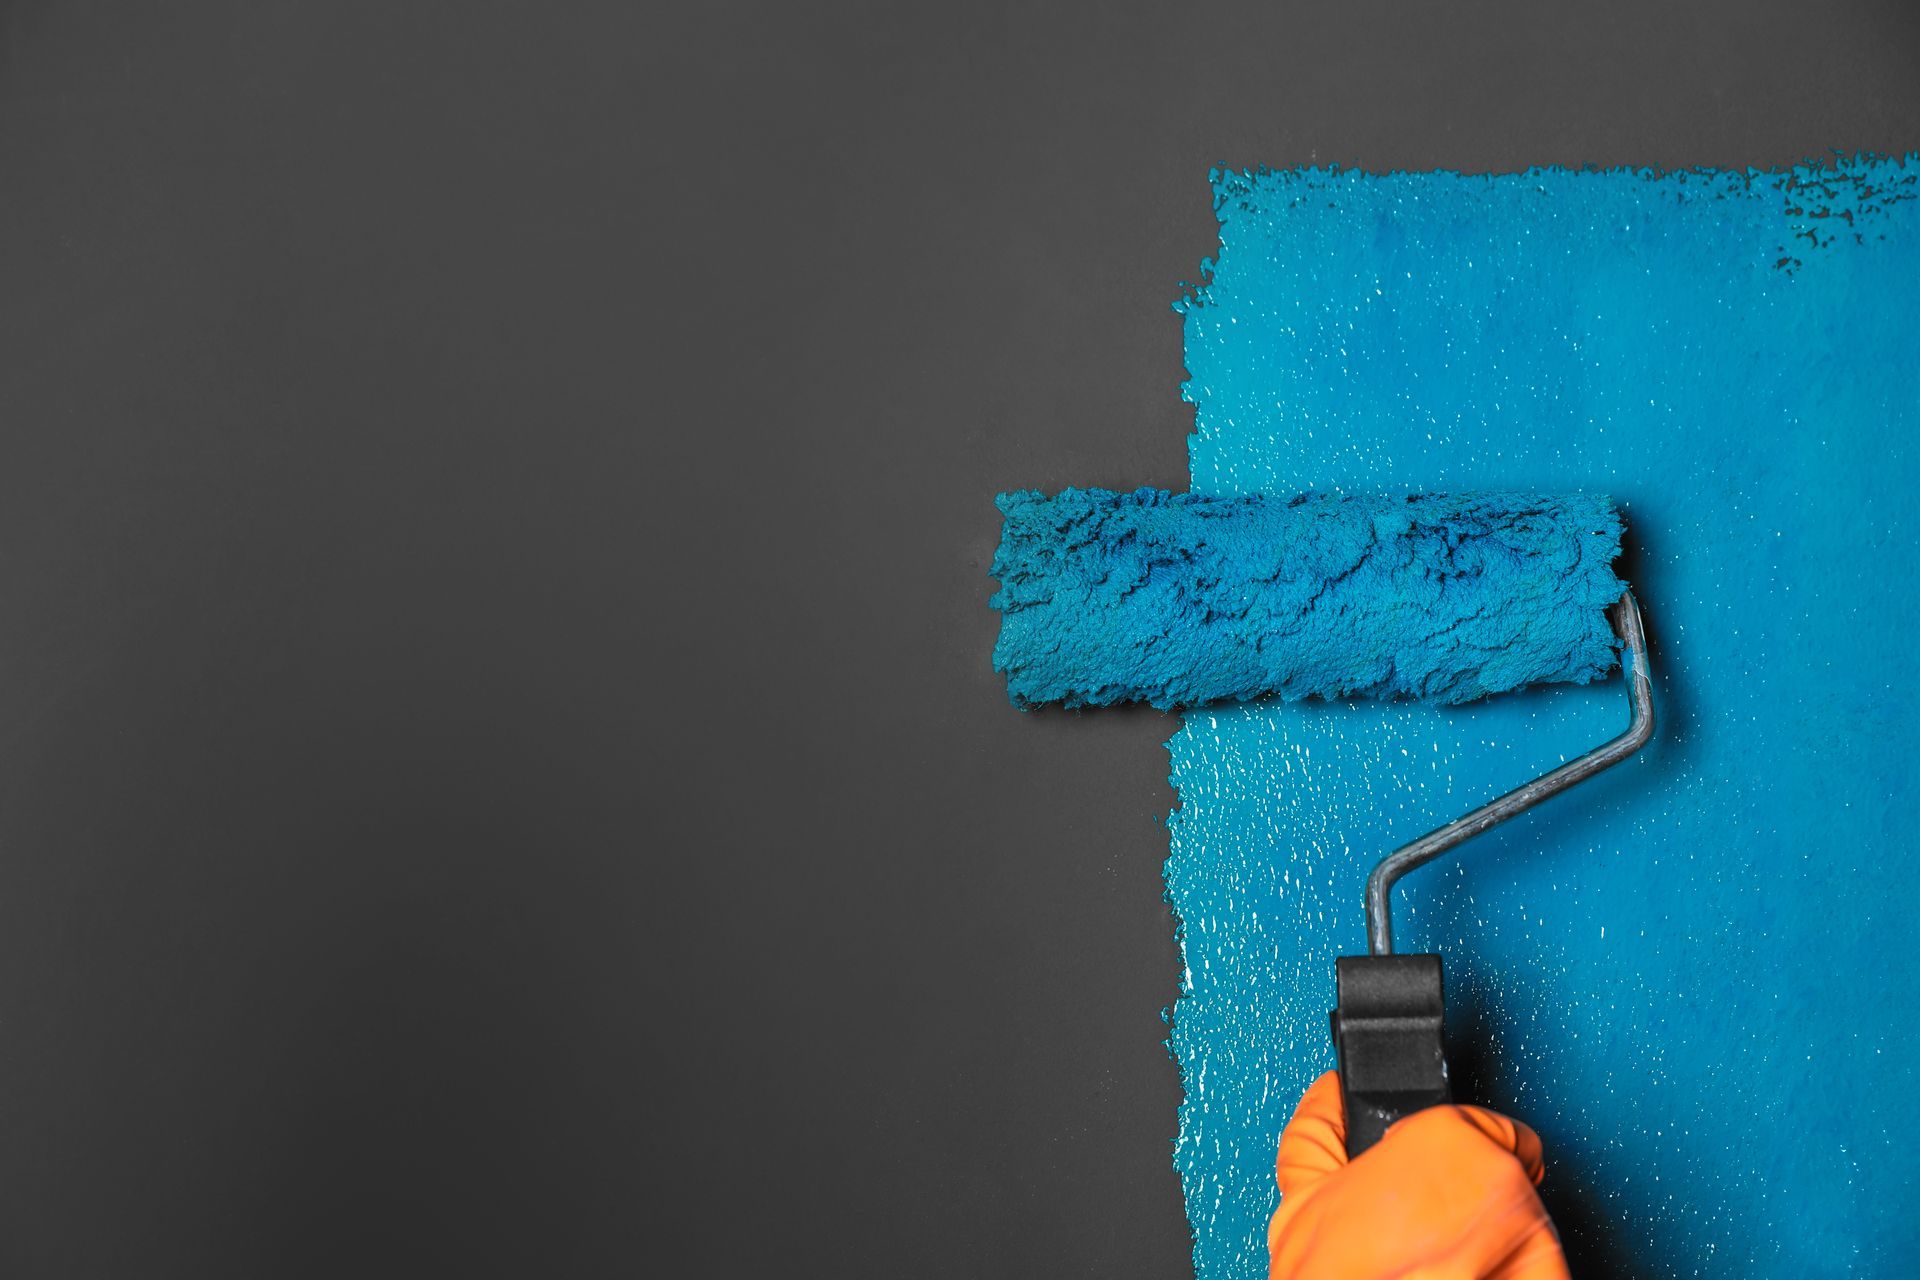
1446,1195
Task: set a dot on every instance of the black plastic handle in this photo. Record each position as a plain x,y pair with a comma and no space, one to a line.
1386,1035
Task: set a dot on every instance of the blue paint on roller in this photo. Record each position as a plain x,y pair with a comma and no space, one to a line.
1184,599
1694,975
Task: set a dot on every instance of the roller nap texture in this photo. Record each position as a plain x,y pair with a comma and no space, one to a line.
1180,599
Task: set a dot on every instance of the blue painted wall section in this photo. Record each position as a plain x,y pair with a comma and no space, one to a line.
1695,976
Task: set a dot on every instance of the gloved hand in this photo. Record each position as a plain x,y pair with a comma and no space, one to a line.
1446,1195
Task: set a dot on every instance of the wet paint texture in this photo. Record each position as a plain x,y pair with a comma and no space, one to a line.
1185,599
1695,975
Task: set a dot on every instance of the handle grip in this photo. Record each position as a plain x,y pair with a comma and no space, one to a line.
1386,1036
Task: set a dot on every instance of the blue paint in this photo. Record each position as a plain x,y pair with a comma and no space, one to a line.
1695,976
1184,599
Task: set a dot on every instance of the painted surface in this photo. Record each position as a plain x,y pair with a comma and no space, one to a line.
1695,975
1181,599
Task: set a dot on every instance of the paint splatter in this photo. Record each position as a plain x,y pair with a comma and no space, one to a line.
1693,974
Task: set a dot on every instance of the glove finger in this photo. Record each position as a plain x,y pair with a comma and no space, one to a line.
1515,1135
1314,1143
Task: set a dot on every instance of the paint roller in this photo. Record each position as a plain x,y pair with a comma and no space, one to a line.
1179,600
